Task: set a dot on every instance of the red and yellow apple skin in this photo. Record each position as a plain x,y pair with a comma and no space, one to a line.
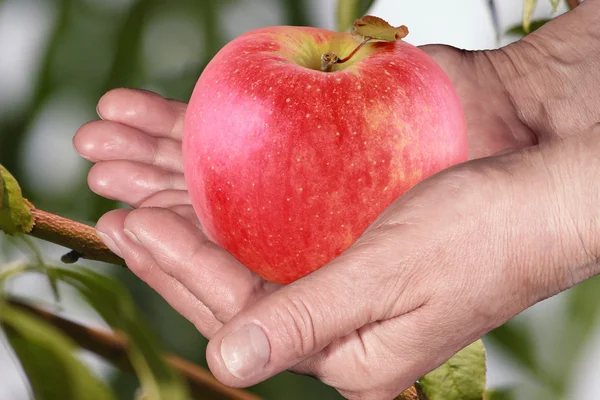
287,165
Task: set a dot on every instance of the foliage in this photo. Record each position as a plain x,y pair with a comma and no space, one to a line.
15,216
349,10
48,356
462,377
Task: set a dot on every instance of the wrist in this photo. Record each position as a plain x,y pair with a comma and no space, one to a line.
552,75
555,230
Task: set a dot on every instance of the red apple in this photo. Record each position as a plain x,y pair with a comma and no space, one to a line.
287,165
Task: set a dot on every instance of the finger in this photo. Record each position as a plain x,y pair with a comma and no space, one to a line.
167,198
304,317
144,110
108,140
188,213
141,263
131,182
175,200
183,252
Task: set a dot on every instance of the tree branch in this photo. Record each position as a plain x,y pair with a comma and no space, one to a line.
80,238
113,348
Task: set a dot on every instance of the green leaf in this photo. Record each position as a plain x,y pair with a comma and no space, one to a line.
528,8
48,360
463,377
32,247
498,395
11,270
515,341
111,300
555,4
517,30
582,317
15,215
349,10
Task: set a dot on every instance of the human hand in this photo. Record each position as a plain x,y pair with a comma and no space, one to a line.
437,270
138,162
209,287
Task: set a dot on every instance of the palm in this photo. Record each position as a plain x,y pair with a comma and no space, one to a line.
137,150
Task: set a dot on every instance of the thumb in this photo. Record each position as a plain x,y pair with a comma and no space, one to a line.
304,317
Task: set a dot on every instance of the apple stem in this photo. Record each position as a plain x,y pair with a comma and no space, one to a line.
328,60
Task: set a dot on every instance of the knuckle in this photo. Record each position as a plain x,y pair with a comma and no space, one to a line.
294,316
141,267
157,150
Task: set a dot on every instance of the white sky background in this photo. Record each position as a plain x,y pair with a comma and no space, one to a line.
24,25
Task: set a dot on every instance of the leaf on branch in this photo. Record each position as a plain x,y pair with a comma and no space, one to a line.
463,377
158,380
348,10
517,30
374,28
517,342
15,215
48,360
528,8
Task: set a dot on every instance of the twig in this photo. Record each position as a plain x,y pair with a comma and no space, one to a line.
80,238
112,347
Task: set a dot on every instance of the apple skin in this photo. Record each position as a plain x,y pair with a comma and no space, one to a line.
287,165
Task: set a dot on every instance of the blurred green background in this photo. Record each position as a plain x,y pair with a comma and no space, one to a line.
87,47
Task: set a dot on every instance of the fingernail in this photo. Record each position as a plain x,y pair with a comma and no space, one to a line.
98,111
109,243
132,236
245,351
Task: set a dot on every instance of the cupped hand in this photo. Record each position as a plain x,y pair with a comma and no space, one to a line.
136,151
446,263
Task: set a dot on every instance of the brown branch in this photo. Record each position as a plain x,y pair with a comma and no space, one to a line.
80,238
113,348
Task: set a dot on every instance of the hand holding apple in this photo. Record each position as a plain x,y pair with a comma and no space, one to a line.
433,274
458,254
137,162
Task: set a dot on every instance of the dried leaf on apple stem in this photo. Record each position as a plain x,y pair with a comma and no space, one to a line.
370,27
